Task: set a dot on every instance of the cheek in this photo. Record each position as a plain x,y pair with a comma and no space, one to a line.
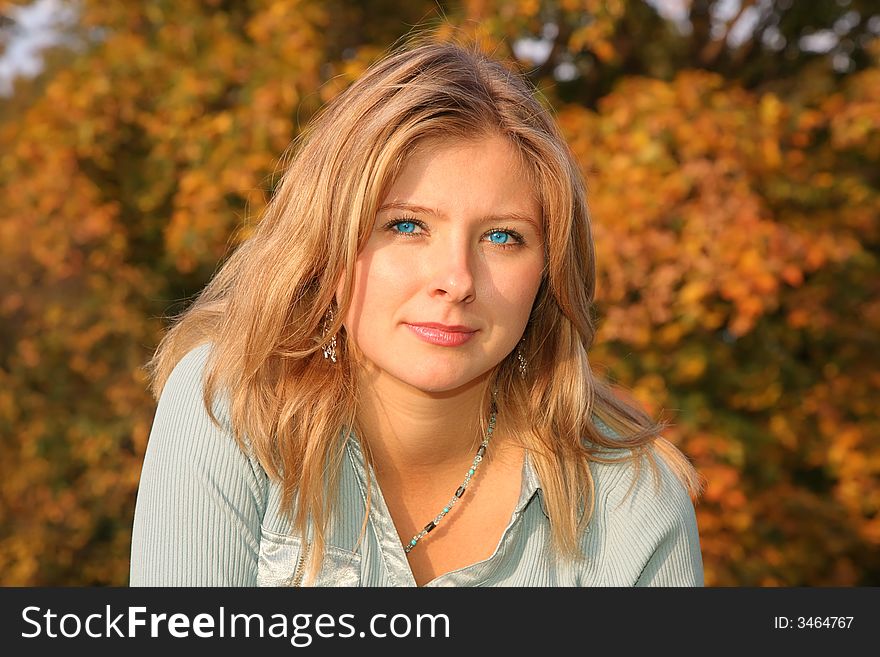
375,286
372,281
522,304
518,290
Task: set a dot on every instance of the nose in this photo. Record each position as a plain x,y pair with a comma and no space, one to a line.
452,272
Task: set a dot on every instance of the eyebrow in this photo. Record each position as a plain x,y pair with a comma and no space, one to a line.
494,218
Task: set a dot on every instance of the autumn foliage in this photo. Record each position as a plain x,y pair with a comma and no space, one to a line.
735,193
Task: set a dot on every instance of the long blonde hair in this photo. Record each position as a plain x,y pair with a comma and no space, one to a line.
264,311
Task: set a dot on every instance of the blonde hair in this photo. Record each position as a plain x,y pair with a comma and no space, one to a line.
264,311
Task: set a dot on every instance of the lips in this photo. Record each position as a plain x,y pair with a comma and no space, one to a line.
441,334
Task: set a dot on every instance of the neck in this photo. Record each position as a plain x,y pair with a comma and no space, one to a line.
416,432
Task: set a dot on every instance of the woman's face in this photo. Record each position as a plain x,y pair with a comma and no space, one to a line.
444,287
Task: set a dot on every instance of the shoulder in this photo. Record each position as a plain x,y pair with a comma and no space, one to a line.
182,427
640,480
640,493
187,377
642,485
646,520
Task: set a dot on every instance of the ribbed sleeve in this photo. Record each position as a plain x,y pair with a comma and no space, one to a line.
201,499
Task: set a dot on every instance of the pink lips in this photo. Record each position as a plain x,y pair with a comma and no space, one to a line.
444,336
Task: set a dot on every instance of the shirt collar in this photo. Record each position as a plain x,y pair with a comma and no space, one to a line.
531,486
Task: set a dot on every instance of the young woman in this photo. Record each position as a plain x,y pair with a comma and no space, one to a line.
388,383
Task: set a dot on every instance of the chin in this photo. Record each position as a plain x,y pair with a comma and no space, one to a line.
433,381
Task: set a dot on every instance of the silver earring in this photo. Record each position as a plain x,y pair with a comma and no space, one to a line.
329,349
523,363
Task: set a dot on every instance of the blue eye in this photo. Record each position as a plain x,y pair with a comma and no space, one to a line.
405,227
499,237
409,227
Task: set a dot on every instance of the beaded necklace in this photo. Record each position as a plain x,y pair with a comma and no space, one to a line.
461,489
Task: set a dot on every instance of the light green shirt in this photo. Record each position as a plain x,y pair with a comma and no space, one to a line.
208,515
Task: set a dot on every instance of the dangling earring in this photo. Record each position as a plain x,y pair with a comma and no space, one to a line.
329,349
523,363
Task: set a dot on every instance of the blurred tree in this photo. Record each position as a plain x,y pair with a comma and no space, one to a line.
584,46
731,151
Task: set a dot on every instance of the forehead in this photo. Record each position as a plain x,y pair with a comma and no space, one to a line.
488,168
425,149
